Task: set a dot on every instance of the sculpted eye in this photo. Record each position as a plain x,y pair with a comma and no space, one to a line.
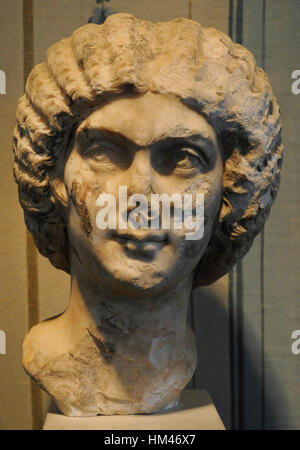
188,159
184,156
97,150
104,154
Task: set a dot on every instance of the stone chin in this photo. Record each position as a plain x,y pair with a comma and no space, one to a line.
130,272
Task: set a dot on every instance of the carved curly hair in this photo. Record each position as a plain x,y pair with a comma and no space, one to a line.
202,67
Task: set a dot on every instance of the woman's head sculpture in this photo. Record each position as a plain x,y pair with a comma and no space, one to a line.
185,106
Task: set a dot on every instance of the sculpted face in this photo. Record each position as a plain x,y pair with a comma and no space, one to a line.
150,144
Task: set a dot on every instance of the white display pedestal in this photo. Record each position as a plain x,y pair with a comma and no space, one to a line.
195,412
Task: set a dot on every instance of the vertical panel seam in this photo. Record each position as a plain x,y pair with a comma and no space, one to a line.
190,6
235,26
263,252
31,251
231,283
240,286
192,297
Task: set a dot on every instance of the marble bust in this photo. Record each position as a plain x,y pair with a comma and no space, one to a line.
159,109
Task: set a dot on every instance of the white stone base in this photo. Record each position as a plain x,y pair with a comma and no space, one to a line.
195,412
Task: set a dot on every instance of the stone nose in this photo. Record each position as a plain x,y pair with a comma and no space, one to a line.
139,175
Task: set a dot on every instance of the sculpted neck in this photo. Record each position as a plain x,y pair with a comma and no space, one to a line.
142,350
119,321
120,355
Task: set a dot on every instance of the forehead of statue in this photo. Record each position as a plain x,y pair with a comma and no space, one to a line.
148,118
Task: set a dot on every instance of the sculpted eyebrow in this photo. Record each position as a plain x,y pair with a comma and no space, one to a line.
195,141
204,146
89,135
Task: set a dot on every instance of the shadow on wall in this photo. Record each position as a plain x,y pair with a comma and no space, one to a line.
239,408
